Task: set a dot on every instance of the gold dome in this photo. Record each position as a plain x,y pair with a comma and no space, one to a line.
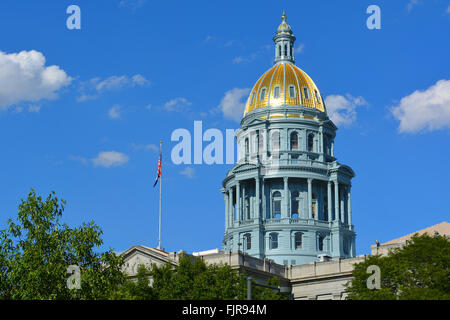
284,85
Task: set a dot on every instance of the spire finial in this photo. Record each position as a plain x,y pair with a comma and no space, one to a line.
283,17
284,42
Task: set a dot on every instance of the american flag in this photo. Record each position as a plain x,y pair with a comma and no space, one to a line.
159,169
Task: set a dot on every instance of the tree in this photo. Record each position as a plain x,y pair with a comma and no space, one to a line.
36,250
419,270
194,280
136,290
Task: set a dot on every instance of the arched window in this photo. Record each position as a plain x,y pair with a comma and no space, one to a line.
275,140
291,51
273,240
294,141
285,49
311,142
320,240
298,240
276,92
279,50
247,241
295,206
263,94
276,205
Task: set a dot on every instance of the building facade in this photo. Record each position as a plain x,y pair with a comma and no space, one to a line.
287,198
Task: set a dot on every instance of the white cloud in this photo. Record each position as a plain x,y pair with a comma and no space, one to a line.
133,4
232,104
152,147
110,159
425,110
80,159
177,104
209,38
411,4
24,77
188,172
92,88
342,109
118,82
241,59
33,108
299,48
448,10
114,112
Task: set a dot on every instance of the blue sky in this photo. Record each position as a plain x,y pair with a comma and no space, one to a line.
82,111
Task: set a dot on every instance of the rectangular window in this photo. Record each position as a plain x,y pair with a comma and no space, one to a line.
277,208
273,239
295,207
313,209
253,98
292,91
306,93
263,94
276,92
298,240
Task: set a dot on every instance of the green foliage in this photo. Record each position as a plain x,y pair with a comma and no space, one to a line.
419,270
193,279
260,293
36,250
138,289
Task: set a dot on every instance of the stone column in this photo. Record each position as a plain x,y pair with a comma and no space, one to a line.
238,200
330,203
226,210
349,207
342,207
257,202
243,204
319,144
285,212
231,208
310,198
336,200
263,198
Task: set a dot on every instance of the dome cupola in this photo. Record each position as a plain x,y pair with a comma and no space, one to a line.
284,84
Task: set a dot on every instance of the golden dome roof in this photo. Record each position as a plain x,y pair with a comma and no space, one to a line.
284,85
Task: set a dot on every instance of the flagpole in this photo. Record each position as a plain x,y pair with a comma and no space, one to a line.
160,190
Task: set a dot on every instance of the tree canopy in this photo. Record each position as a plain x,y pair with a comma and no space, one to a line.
192,279
418,270
37,249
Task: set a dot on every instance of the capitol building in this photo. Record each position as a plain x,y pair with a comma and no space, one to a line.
287,200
